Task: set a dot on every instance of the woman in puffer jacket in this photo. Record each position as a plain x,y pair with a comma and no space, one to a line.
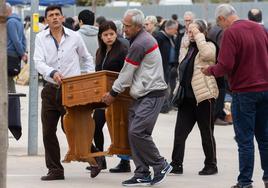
197,105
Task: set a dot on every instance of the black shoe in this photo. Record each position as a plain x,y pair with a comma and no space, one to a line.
177,169
242,186
103,166
95,170
266,184
138,181
219,121
208,170
159,177
123,166
53,176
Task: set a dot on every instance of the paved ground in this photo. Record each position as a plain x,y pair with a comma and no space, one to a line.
25,171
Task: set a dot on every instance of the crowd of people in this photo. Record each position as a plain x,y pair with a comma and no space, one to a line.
158,59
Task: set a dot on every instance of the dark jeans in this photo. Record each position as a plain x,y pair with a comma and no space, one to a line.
52,110
170,78
219,105
188,114
250,117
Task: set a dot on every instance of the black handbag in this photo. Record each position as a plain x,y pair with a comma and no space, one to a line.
14,65
178,97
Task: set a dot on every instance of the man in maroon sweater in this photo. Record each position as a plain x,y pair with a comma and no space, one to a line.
243,57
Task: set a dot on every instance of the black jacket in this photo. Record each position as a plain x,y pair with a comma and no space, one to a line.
114,59
164,47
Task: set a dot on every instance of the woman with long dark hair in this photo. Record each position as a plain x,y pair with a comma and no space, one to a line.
109,56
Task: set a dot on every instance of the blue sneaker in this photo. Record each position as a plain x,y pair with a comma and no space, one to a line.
138,181
160,176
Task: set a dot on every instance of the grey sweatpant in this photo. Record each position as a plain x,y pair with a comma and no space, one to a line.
142,118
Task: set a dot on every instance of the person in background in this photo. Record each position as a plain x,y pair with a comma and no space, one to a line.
150,24
69,23
215,34
167,46
88,31
243,57
197,106
255,15
76,23
42,23
99,20
188,19
16,46
56,56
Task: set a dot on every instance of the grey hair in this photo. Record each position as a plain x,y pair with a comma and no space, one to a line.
225,10
137,16
202,25
151,19
170,24
119,27
189,13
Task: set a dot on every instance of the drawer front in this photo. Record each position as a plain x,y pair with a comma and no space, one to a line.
85,84
82,97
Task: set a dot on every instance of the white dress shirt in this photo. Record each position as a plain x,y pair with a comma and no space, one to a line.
63,57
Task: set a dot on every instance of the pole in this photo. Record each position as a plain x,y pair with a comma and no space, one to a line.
33,88
3,97
127,4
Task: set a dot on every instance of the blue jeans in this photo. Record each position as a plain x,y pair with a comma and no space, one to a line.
124,157
250,117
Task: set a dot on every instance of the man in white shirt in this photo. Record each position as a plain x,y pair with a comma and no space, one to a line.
56,56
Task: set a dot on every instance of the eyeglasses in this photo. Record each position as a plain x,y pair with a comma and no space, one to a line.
188,20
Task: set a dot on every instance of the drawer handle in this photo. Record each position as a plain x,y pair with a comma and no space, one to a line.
96,91
70,96
95,82
70,87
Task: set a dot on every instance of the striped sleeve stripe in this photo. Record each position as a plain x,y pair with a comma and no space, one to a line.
152,49
132,62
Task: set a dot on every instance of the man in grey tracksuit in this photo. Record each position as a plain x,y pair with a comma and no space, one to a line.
143,73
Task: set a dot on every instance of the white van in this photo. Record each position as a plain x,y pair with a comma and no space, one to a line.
175,2
123,4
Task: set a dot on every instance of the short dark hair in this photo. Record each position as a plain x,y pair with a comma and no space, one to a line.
100,19
174,16
69,23
87,17
159,19
255,15
41,19
52,7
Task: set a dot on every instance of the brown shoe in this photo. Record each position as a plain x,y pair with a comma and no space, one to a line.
95,170
53,176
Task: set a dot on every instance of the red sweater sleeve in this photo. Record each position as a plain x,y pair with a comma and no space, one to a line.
226,58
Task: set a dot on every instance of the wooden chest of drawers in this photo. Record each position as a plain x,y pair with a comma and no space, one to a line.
88,88
80,96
